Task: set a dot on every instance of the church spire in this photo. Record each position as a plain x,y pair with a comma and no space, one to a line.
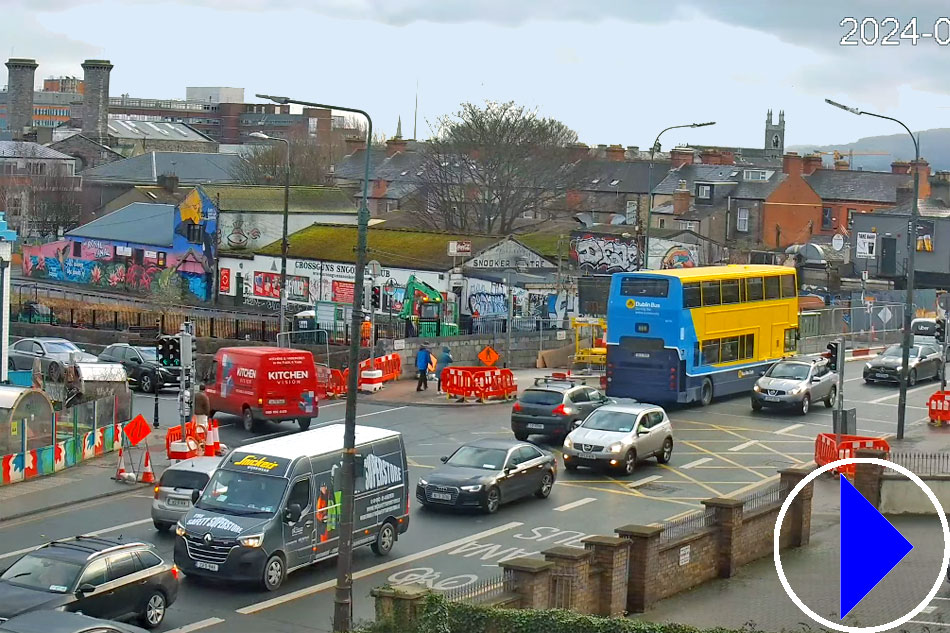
399,127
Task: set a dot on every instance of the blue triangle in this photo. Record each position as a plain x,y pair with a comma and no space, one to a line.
870,547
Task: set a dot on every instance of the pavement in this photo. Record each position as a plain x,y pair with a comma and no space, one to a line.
403,392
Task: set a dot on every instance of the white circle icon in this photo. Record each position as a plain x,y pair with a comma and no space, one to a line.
778,530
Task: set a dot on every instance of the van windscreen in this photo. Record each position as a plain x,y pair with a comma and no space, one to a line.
242,493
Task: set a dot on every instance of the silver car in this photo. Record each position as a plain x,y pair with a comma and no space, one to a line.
54,355
795,384
173,492
618,436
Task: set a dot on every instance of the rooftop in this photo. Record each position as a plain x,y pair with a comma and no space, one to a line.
22,149
139,223
720,272
270,199
609,176
192,168
155,131
863,186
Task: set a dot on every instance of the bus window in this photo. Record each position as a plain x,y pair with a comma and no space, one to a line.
754,289
791,339
747,346
711,352
644,287
772,288
730,349
730,291
711,293
742,293
788,287
692,295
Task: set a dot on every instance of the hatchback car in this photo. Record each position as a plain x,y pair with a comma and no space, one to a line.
551,407
102,578
141,365
173,492
486,473
795,384
619,435
54,355
924,362
63,622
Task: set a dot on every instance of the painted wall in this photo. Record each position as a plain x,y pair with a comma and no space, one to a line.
600,254
253,231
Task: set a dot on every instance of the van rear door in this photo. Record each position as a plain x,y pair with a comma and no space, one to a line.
381,483
289,386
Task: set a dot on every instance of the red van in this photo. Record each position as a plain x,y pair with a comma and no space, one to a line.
264,383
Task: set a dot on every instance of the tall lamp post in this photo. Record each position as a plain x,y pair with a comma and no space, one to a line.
645,255
283,240
911,259
343,599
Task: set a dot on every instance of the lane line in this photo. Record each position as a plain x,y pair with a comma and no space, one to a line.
307,591
636,493
196,626
725,459
701,460
574,504
644,481
789,428
897,395
743,445
96,533
692,479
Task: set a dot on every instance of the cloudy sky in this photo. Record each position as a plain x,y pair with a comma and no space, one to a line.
616,71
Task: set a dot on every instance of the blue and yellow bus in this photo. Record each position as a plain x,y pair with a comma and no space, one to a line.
689,334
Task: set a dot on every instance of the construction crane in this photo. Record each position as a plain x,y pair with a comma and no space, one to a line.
839,156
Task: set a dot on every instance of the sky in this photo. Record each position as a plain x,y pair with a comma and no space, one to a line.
615,71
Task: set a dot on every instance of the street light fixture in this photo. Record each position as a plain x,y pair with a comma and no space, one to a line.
645,255
343,599
283,240
911,260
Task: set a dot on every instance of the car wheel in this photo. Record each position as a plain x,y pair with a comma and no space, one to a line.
805,405
274,573
304,423
663,457
147,383
756,405
629,462
706,394
521,436
547,483
832,397
912,378
247,419
385,539
161,526
153,613
492,500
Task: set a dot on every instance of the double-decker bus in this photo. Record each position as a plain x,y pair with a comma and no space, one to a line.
689,334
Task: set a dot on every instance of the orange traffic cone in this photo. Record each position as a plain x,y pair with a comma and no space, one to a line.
148,477
120,471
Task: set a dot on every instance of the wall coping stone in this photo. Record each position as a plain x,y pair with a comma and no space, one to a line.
723,502
639,530
526,563
566,553
609,541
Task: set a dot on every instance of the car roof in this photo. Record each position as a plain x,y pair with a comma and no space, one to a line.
205,465
51,338
634,408
59,622
82,548
504,444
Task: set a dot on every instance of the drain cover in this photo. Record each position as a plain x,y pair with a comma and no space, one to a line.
658,488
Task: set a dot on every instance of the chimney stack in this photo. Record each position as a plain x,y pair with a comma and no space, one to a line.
923,169
900,167
396,145
95,101
811,164
842,165
168,182
20,87
354,144
633,152
792,164
578,151
615,153
680,156
681,198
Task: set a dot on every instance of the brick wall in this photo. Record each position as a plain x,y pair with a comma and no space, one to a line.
673,577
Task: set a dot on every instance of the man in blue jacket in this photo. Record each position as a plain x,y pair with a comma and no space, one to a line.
422,365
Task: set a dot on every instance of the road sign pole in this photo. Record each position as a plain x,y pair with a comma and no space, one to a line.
839,363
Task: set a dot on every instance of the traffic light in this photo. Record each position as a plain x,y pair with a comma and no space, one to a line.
941,333
189,349
376,297
169,351
833,358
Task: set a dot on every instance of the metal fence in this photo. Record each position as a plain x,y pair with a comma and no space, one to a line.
763,498
562,589
689,524
483,590
923,463
862,326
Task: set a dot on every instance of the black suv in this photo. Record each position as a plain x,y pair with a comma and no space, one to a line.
551,407
102,578
141,365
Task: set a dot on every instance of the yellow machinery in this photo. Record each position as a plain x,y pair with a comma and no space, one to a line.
590,334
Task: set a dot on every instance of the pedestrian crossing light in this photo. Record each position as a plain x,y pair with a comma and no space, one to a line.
376,296
169,351
941,333
833,356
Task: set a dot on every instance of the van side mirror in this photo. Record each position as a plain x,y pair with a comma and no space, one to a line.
85,589
195,495
443,459
293,513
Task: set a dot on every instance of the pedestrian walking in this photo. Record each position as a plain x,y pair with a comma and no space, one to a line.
422,365
202,408
445,359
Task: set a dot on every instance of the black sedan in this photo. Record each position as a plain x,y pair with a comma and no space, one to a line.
63,622
924,362
486,473
141,364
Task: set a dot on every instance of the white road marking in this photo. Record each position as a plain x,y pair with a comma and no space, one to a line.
644,481
396,562
744,445
789,429
897,395
699,461
195,626
114,528
575,504
928,610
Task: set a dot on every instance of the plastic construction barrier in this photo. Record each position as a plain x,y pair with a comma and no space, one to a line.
938,408
479,383
177,447
827,450
390,365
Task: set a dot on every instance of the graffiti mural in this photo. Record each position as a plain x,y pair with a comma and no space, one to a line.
487,298
679,257
603,254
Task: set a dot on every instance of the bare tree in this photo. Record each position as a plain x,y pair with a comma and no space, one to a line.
490,166
264,163
42,198
55,205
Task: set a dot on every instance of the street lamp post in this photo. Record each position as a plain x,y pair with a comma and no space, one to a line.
343,599
283,240
911,260
645,255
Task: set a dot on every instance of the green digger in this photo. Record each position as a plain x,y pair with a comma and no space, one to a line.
435,316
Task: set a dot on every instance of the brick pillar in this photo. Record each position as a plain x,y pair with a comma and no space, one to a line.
867,477
570,578
609,560
531,578
798,517
728,525
401,606
643,565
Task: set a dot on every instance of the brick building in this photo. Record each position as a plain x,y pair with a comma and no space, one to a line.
39,188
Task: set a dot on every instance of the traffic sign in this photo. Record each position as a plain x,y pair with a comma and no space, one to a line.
488,356
870,547
136,430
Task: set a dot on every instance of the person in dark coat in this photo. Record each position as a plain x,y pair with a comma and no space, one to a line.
445,359
422,365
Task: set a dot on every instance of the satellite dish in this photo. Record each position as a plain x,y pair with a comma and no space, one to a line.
837,242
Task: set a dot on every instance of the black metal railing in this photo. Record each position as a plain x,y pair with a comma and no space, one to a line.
763,498
689,524
922,463
482,590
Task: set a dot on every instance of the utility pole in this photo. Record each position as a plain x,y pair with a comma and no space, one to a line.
839,402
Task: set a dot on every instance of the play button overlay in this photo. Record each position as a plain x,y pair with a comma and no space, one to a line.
864,530
870,548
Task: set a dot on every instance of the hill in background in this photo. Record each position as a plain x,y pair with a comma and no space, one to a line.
934,146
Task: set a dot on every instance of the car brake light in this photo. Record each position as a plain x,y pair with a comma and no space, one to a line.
176,573
517,407
562,410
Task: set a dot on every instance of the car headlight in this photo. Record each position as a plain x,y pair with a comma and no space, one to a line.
254,540
615,447
568,443
179,529
868,366
423,482
796,391
756,388
472,488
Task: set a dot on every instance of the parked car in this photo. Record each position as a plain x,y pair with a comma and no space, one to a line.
486,473
35,312
174,489
64,622
923,362
796,383
54,355
102,578
141,365
551,407
618,435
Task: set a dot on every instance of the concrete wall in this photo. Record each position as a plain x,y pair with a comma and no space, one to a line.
900,495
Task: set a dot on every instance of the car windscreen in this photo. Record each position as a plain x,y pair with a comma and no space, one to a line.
189,479
616,421
478,457
541,396
43,573
60,347
148,353
789,371
896,350
242,494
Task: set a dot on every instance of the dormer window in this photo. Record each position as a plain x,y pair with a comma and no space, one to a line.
595,181
755,175
614,182
703,191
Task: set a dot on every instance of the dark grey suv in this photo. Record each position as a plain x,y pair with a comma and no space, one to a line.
551,407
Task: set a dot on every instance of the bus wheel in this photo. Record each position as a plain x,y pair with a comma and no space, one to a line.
385,539
706,394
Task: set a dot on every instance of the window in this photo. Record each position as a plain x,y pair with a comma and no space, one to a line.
662,223
525,454
161,259
772,288
711,293
754,289
791,339
703,191
121,565
95,573
687,225
138,256
747,346
788,287
633,207
730,291
183,479
194,233
300,494
644,287
711,352
742,220
23,346
692,295
726,350
730,349
827,218
755,174
580,395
